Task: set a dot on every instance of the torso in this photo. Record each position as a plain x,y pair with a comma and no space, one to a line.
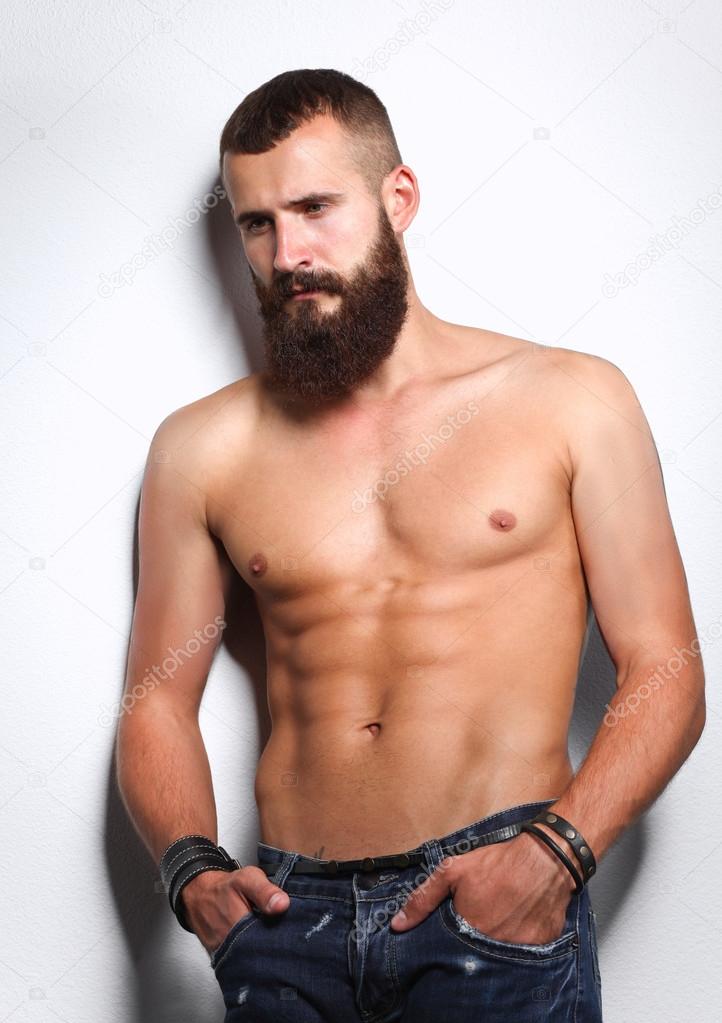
422,646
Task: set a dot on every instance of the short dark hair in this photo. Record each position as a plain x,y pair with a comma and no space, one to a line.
275,109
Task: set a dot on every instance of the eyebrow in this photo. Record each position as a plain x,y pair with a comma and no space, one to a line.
331,197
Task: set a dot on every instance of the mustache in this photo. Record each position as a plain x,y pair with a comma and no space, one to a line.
289,287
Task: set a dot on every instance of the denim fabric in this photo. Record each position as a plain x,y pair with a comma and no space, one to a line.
333,957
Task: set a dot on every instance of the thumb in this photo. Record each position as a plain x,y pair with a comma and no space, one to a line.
254,885
426,896
277,900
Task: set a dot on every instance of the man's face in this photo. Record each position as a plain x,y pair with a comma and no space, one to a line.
322,346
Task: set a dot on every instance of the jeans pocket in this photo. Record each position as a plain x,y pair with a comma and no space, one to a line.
462,929
235,931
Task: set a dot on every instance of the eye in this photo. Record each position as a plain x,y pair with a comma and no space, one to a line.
251,225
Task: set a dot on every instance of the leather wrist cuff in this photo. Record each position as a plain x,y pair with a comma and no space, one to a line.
532,828
566,830
183,860
189,871
177,851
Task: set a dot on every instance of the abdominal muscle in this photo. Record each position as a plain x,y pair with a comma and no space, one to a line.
389,729
423,646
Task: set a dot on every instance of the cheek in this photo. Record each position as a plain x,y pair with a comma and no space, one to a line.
339,241
259,257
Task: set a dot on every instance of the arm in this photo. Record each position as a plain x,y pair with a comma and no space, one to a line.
639,593
518,890
162,767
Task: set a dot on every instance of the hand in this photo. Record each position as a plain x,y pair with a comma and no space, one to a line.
215,899
514,891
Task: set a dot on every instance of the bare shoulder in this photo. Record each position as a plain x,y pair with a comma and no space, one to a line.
589,386
195,432
598,414
579,380
582,401
193,448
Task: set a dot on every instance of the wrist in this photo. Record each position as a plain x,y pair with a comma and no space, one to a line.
567,835
559,839
198,886
184,861
545,860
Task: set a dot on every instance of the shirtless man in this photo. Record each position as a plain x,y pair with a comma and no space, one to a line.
424,511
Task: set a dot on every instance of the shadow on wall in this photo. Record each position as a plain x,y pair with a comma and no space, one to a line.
231,270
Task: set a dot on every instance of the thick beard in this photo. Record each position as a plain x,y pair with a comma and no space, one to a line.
319,356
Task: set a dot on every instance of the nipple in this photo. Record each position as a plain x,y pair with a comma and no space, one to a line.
257,564
502,520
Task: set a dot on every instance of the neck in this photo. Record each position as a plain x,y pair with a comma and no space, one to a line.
417,354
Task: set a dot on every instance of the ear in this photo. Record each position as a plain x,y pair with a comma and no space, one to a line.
400,196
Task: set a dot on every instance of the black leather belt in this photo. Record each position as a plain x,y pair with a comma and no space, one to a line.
306,865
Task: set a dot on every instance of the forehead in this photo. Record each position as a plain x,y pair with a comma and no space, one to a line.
315,157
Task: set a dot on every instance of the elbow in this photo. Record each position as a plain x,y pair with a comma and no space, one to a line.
696,715
699,719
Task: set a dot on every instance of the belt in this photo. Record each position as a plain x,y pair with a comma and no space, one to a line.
309,865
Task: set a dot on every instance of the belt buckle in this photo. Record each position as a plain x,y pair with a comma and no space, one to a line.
330,867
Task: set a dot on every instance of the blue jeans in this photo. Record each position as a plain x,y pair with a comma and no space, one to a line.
332,956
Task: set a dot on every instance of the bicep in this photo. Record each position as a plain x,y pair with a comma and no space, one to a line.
182,584
624,530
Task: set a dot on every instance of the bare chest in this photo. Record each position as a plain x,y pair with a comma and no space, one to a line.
436,490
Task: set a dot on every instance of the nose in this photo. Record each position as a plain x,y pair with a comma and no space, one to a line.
291,250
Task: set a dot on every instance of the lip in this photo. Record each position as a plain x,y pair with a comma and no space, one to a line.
305,294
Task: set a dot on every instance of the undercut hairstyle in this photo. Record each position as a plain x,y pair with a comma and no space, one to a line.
275,109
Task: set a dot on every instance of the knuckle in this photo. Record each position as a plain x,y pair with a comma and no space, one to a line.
242,879
251,873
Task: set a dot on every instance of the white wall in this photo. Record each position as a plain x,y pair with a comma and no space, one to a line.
552,142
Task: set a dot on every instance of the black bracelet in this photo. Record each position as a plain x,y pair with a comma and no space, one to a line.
534,830
171,858
566,830
187,874
183,860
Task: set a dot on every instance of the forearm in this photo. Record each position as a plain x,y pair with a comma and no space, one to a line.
164,777
648,733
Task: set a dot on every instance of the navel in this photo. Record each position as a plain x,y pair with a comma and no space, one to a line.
374,727
502,520
257,565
